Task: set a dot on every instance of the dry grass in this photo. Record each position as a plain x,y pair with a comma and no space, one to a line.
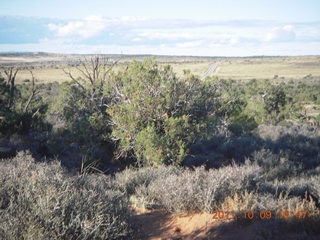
187,190
41,201
267,68
196,68
235,68
240,202
47,75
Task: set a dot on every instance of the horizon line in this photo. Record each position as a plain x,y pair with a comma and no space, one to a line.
155,55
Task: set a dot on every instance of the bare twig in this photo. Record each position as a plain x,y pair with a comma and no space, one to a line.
32,94
11,74
68,72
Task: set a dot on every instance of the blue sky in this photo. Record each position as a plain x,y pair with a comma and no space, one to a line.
197,27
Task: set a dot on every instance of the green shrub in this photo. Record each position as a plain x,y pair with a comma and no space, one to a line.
85,119
242,125
275,101
13,119
157,116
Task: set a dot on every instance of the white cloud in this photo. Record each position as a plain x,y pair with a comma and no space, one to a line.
167,35
139,29
195,36
89,27
130,19
190,44
138,35
291,48
233,40
281,34
137,39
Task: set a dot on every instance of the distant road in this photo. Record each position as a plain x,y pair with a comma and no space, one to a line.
210,71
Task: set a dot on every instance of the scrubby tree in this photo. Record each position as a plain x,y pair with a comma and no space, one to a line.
4,95
231,105
156,115
82,102
274,102
11,73
4,100
19,105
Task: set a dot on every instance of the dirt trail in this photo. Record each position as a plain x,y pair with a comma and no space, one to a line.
161,225
211,70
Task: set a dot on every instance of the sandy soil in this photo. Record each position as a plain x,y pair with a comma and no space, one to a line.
161,225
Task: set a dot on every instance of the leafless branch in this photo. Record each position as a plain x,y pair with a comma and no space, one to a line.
11,74
68,72
33,92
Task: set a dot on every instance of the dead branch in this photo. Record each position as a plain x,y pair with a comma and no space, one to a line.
68,72
11,74
32,92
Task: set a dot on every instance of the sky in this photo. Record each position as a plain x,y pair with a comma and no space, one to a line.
166,27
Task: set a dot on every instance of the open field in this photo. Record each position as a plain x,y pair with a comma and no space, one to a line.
49,67
197,68
262,68
56,74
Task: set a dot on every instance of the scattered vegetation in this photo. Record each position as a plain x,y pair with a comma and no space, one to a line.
183,144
